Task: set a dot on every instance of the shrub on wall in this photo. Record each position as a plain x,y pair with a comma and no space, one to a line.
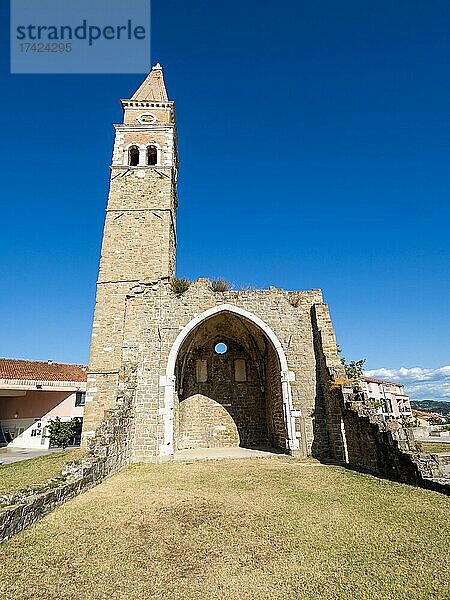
179,286
220,285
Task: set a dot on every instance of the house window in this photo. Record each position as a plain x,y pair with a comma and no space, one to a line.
80,399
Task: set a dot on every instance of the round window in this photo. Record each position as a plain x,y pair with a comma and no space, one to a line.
220,348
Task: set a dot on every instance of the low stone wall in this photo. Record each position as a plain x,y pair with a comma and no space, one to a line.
15,518
383,447
108,452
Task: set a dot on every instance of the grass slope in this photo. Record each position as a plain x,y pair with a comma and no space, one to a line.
16,476
237,530
436,447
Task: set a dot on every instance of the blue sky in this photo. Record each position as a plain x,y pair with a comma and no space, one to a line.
314,149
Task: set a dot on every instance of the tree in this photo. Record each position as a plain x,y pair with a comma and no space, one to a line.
353,369
61,432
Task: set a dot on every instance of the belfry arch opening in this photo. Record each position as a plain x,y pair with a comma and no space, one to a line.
152,156
228,388
133,156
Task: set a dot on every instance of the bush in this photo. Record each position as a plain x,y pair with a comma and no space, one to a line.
376,404
408,421
247,288
61,432
179,286
220,285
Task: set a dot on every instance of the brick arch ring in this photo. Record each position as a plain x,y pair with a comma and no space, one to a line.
169,380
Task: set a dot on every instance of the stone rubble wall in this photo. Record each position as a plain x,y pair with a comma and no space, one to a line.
16,518
108,452
383,447
357,435
329,441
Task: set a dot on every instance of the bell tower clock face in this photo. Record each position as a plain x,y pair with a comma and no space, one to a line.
146,118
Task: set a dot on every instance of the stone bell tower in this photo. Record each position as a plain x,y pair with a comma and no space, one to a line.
139,238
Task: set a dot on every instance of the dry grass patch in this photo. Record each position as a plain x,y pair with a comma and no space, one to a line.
34,471
434,447
236,530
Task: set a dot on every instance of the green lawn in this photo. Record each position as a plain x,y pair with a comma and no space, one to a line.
33,471
431,447
236,530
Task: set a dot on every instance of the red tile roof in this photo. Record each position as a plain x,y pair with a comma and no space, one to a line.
33,370
373,380
421,413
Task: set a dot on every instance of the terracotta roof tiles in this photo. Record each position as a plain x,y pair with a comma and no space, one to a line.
33,370
374,380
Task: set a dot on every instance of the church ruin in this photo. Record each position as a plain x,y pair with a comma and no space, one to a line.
175,368
205,368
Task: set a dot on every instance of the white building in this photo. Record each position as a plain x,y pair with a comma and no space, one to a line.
395,403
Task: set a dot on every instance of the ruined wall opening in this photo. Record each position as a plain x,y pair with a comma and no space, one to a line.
228,387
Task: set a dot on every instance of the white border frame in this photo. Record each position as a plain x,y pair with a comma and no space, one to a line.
168,380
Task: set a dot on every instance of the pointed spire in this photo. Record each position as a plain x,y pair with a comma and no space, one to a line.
152,88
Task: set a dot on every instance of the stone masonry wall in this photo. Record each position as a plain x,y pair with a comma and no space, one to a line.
155,316
221,411
108,452
141,206
329,441
357,435
383,447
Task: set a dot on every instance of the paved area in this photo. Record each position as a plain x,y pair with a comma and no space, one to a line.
12,455
227,454
435,439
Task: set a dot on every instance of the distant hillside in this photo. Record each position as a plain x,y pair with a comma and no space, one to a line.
432,406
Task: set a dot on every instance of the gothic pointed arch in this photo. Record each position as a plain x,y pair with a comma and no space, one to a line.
237,396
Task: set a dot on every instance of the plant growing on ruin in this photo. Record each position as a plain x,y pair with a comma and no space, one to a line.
294,299
246,287
179,286
220,285
408,421
353,369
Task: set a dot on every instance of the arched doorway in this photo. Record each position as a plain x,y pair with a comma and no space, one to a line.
227,384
